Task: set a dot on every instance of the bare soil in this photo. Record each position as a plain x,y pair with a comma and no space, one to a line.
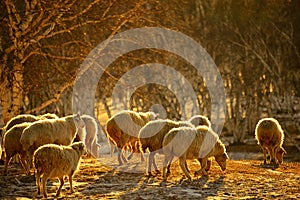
104,179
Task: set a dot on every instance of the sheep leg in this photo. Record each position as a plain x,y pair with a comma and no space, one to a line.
169,165
112,149
150,161
7,160
122,155
89,146
182,163
30,153
119,156
265,155
22,159
61,179
71,184
38,182
142,157
44,189
154,164
95,149
187,169
166,164
272,155
203,162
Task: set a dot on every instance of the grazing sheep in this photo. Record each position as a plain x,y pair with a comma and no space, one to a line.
54,161
12,146
269,136
151,137
199,120
50,131
193,143
122,129
89,135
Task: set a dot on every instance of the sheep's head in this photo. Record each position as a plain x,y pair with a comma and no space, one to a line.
199,120
153,115
78,121
221,160
79,147
279,154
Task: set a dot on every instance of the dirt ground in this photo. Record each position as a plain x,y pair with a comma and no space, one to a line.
104,179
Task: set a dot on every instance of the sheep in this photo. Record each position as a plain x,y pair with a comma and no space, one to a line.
48,116
12,146
54,161
89,135
198,120
122,129
50,131
23,118
270,136
18,120
193,143
151,137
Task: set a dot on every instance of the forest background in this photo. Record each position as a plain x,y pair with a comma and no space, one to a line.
254,43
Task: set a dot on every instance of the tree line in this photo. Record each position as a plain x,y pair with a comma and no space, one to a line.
254,43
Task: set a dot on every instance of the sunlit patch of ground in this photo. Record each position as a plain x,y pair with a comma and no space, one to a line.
103,178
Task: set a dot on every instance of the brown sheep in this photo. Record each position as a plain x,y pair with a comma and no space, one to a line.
122,129
193,143
12,146
54,161
270,136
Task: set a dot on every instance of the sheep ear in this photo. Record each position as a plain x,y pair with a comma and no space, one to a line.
226,155
284,151
82,146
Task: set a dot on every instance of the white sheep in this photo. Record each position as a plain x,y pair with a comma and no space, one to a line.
193,143
50,131
54,161
122,129
89,135
199,120
151,137
12,146
270,136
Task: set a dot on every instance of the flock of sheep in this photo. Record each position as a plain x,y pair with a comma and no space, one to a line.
53,146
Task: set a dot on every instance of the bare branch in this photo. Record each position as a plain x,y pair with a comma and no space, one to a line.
54,99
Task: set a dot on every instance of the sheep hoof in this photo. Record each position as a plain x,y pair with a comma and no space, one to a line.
275,165
157,172
197,173
149,174
163,183
168,173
